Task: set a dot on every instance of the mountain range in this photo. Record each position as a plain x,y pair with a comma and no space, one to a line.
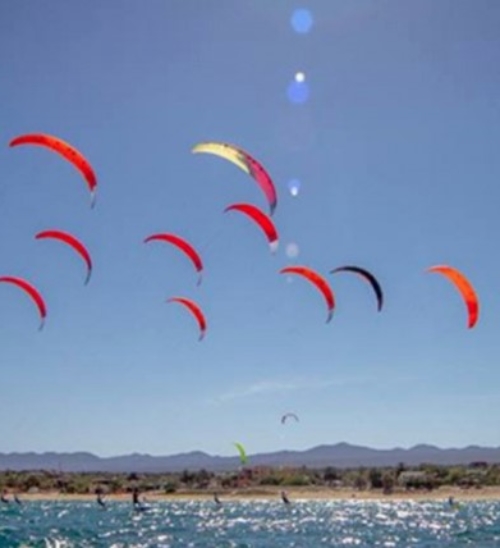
341,455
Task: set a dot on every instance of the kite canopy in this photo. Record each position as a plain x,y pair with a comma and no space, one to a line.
244,161
261,219
287,416
183,245
229,152
465,289
242,453
368,276
32,292
73,242
195,310
318,281
67,151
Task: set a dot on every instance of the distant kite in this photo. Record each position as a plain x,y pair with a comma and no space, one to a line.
246,162
287,416
195,311
31,291
261,219
66,151
465,289
318,281
242,453
72,242
367,276
183,245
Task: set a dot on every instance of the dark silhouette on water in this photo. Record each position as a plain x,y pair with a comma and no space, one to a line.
99,497
137,503
452,503
100,500
217,499
17,500
285,498
135,496
4,498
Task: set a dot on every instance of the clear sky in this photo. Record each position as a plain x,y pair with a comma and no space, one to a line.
396,147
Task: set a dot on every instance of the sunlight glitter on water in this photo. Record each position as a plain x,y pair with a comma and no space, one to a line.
255,524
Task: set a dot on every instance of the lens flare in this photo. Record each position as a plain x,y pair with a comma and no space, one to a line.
292,250
294,187
301,20
298,92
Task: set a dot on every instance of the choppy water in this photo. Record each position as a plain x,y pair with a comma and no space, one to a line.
251,525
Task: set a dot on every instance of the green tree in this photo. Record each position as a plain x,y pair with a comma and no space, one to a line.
375,477
388,482
331,474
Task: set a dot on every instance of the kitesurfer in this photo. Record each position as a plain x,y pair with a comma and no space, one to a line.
135,496
216,499
452,503
137,503
100,500
284,497
4,498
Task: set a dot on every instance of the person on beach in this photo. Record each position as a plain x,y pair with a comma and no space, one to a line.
284,497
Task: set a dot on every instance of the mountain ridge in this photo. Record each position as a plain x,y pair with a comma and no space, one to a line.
340,455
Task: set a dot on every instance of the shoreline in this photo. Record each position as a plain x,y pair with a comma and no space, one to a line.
295,494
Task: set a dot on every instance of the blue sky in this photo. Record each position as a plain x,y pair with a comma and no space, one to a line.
396,149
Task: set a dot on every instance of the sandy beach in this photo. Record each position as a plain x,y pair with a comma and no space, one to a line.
485,493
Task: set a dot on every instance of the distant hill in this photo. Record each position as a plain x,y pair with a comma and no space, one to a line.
341,455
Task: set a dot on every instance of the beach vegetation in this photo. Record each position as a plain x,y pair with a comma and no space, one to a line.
425,477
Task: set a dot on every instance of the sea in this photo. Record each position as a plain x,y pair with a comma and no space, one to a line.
251,524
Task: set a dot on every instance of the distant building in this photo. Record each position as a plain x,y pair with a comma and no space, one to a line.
478,464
